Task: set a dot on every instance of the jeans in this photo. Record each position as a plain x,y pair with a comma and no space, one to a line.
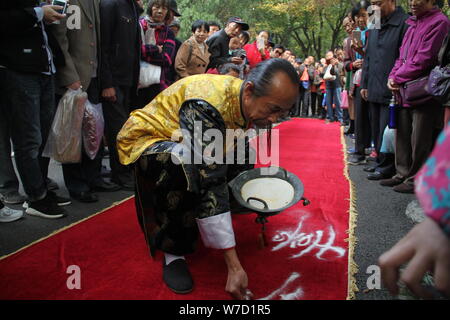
31,101
334,97
306,102
8,178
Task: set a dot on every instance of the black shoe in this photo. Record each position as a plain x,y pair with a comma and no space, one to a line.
177,277
376,176
369,169
126,183
61,201
357,160
104,186
45,208
84,196
51,185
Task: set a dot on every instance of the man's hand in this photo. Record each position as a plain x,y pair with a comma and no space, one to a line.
237,284
50,14
357,46
358,64
365,94
237,281
236,60
75,85
392,85
109,94
426,247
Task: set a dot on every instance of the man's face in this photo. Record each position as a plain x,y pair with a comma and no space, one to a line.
419,7
276,53
286,55
386,7
233,29
213,29
311,60
263,111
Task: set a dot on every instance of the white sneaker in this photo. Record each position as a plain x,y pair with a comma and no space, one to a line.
10,215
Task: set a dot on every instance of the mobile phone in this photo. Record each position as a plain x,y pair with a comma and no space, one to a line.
261,44
356,35
61,3
243,56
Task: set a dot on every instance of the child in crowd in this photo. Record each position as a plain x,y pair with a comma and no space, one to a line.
237,51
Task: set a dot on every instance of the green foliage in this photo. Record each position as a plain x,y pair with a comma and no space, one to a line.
308,27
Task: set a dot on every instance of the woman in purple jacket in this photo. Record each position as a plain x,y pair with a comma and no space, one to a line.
417,125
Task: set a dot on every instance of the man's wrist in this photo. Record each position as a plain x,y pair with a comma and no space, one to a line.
232,260
39,13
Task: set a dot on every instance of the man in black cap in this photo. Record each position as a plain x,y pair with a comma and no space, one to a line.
218,43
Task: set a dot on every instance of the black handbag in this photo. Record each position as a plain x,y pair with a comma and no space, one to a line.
439,80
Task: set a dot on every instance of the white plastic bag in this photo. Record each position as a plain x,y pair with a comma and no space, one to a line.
149,74
328,76
64,141
388,145
93,127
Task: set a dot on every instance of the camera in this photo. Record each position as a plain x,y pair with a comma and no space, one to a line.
61,3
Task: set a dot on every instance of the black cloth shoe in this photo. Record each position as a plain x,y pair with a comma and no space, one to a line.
376,176
104,186
177,277
369,169
85,196
45,208
357,160
391,182
61,201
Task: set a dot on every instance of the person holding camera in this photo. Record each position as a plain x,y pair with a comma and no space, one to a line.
219,43
29,57
257,51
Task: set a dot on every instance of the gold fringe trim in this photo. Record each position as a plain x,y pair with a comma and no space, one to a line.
352,240
115,204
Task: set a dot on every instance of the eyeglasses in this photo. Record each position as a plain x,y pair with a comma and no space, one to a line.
376,3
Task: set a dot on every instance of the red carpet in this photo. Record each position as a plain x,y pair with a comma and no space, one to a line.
307,256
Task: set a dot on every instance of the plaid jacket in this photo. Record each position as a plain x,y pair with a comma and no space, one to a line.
150,53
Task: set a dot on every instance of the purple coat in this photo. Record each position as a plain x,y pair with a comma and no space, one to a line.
420,46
